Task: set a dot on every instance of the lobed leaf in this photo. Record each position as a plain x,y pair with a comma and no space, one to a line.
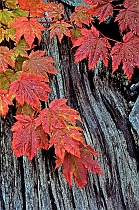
19,12
66,139
92,46
4,83
39,64
11,4
81,16
29,88
54,10
78,166
129,17
6,18
57,116
9,34
126,53
101,8
35,7
21,48
59,29
29,27
26,138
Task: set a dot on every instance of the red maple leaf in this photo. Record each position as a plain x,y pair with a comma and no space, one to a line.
101,8
5,58
59,29
81,16
54,10
5,100
127,53
26,138
35,7
57,116
29,88
39,64
92,46
129,17
66,139
79,165
29,27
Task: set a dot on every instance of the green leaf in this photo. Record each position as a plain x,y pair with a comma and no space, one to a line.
10,34
19,12
6,18
19,62
4,84
21,48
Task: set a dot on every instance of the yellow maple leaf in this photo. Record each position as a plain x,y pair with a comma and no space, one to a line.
6,18
12,4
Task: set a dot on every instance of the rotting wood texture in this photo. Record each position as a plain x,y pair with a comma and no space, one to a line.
35,185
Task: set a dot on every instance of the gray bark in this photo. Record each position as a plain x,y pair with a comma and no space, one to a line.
73,2
34,185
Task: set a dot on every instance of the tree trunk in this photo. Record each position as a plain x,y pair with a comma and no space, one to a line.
34,185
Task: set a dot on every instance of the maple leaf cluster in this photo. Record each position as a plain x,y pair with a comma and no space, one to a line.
58,122
94,45
25,73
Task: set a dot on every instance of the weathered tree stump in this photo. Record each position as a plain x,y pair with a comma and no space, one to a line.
35,185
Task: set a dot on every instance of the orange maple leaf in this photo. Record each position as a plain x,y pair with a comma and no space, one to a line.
66,139
35,7
29,27
54,10
59,121
59,29
78,166
57,116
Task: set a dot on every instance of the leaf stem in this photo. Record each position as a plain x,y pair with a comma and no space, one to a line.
119,5
118,9
109,38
